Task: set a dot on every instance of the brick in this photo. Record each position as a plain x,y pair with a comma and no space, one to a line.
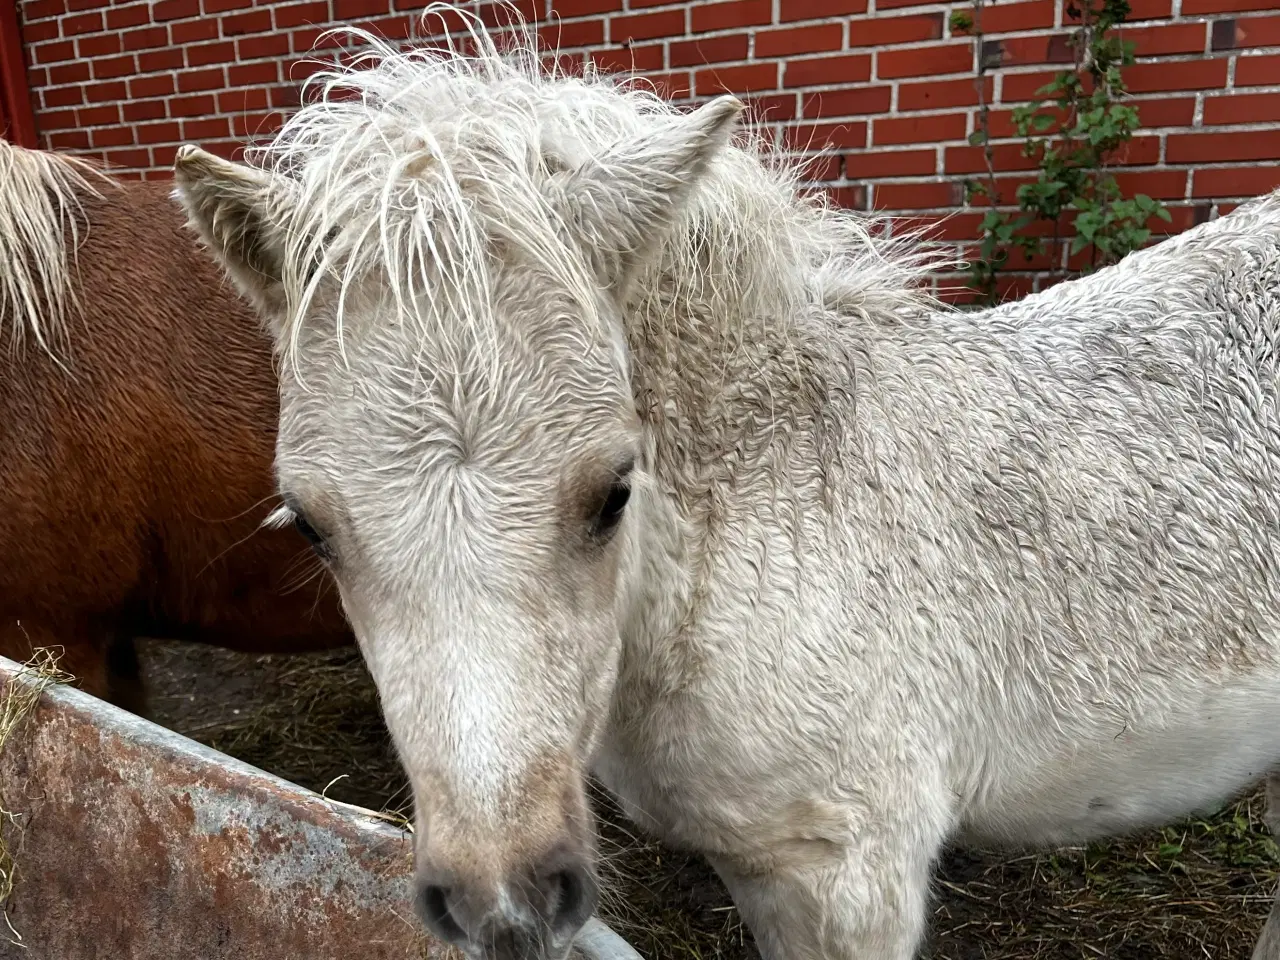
1160,184
193,31
207,53
734,13
296,14
39,9
692,53
161,86
175,9
222,6
192,106
62,97
1021,87
114,67
1020,51
572,33
1242,108
205,128
149,61
145,38
254,48
646,26
787,41
851,198
157,132
53,52
789,10
583,8
880,31
1255,71
354,9
916,196
97,116
629,58
83,23
820,168
814,137
102,92
163,156
1008,17
252,74
134,15
891,163
743,79
1194,7
58,120
856,101
285,96
255,124
1005,156
924,61
933,94
828,71
111,137
101,45
136,110
1188,75
69,140
1171,112
675,85
1219,147
1257,32
772,107
40,31
128,158
255,21
210,78
76,72
1166,39
1236,181
1001,125
241,101
929,128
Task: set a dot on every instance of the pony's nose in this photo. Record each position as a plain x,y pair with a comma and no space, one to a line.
531,915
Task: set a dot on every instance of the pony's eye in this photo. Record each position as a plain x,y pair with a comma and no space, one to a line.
615,502
318,543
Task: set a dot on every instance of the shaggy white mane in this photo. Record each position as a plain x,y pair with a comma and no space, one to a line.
40,223
420,166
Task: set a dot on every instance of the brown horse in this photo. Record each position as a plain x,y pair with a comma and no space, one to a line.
138,408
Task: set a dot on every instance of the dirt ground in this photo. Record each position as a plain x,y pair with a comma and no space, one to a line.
1201,888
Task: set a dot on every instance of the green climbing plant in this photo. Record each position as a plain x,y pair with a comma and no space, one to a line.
1074,127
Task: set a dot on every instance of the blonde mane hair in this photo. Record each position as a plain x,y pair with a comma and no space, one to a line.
410,164
41,219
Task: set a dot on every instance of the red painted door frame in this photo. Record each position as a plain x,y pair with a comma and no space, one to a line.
16,118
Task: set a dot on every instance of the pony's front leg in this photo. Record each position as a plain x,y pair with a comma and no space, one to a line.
869,902
1268,947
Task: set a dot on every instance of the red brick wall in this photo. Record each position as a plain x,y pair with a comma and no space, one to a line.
879,90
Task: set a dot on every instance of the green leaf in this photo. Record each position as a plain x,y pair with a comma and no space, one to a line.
977,138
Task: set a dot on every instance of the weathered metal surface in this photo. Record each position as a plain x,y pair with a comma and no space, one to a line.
135,843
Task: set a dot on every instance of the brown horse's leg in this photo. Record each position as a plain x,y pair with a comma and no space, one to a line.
125,687
1268,947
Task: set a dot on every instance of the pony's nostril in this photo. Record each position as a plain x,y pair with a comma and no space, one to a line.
434,912
572,898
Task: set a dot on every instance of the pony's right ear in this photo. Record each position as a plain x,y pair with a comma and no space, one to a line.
239,213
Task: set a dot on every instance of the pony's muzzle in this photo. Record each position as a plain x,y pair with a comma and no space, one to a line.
532,915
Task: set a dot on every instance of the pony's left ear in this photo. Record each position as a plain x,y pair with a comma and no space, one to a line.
237,211
619,206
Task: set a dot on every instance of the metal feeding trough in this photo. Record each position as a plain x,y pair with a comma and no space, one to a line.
132,842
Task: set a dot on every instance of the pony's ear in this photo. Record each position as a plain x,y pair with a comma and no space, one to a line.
619,206
237,211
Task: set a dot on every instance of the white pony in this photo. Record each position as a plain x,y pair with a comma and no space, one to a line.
626,456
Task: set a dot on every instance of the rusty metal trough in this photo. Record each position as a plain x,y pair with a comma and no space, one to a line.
135,843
